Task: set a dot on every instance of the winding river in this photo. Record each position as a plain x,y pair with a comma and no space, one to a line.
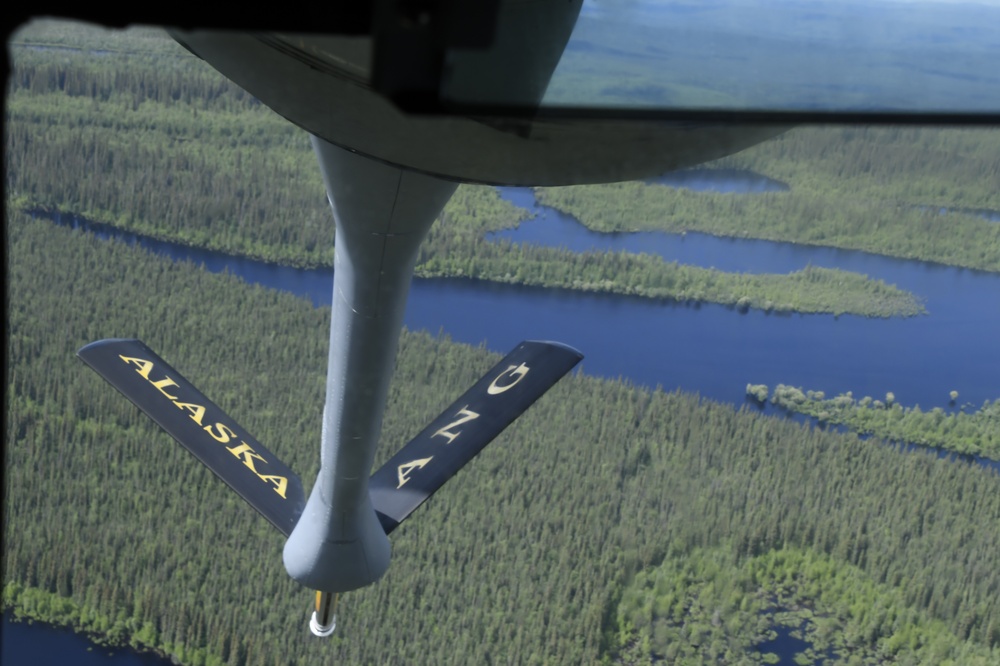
716,351
709,349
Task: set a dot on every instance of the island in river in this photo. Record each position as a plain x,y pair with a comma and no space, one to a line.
611,520
972,433
245,184
556,521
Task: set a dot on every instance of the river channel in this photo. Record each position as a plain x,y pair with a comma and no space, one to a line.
709,349
716,351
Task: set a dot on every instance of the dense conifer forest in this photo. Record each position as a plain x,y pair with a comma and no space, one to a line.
162,145
611,524
883,190
541,551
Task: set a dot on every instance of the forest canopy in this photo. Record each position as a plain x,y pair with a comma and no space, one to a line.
529,553
611,524
151,140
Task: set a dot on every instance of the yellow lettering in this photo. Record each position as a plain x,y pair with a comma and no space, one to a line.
466,414
197,412
225,434
164,383
247,455
404,470
143,366
516,371
280,483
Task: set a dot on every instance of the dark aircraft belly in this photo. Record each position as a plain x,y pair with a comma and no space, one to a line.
318,84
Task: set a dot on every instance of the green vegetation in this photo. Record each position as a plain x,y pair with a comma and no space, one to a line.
758,392
705,607
976,433
528,556
163,146
939,167
813,289
872,189
572,539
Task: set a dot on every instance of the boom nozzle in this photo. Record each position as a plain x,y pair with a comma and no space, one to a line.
324,618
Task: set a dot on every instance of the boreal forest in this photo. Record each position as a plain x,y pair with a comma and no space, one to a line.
611,524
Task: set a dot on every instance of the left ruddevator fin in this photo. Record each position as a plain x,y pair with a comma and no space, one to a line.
201,427
454,438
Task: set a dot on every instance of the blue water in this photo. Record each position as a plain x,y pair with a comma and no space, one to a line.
553,228
709,349
39,644
985,213
787,647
